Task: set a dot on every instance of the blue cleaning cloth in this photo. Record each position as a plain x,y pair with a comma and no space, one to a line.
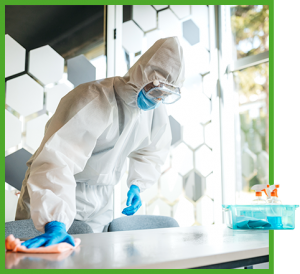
244,222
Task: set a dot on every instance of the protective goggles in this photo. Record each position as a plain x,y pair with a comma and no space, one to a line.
166,93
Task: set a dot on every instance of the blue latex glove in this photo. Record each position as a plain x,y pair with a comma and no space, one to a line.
55,232
134,201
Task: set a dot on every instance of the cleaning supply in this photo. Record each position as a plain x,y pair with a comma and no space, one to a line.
277,187
275,221
259,200
14,245
274,195
244,222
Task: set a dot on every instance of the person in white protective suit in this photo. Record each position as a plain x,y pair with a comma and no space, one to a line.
95,128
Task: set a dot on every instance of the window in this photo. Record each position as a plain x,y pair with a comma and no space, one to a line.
253,92
250,29
244,30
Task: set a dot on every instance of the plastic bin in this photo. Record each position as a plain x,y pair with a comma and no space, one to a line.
263,217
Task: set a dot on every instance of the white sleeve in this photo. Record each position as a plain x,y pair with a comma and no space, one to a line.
145,164
51,183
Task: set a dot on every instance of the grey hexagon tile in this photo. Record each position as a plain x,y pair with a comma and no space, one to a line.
204,160
149,194
24,95
171,185
152,37
46,65
160,7
13,128
169,24
55,94
209,135
191,32
193,135
254,141
181,11
160,208
176,131
35,131
80,70
195,186
205,211
183,212
182,159
201,18
248,163
210,186
132,37
16,162
14,57
263,166
144,16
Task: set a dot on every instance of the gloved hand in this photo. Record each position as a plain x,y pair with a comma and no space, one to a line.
55,232
134,201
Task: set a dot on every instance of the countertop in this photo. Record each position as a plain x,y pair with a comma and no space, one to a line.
182,247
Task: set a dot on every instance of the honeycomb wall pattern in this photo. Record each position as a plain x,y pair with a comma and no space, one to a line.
31,98
14,57
185,189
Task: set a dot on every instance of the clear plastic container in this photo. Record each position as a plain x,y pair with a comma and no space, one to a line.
259,201
263,217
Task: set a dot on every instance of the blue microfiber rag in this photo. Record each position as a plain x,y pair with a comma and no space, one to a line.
250,222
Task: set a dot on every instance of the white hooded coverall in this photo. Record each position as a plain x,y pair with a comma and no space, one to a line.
95,128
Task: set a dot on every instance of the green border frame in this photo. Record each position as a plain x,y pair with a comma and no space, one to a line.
178,2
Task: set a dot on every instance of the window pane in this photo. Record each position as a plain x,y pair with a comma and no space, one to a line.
252,85
250,29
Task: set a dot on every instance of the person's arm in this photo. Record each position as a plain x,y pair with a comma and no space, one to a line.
70,138
145,164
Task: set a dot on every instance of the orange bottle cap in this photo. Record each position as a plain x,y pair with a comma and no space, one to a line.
277,186
258,193
273,193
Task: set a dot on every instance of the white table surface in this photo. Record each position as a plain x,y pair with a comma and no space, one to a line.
184,247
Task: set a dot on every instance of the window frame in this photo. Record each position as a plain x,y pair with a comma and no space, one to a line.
229,106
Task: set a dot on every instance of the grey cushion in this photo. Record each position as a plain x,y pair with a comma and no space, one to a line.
26,229
139,222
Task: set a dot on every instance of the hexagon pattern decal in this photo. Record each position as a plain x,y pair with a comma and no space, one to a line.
13,127
16,162
54,96
191,32
181,11
24,95
132,37
14,57
144,16
80,70
35,131
46,65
